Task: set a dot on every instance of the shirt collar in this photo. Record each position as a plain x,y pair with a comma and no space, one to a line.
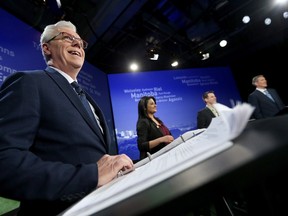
261,90
67,77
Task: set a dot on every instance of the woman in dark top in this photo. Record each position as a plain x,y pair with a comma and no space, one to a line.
151,131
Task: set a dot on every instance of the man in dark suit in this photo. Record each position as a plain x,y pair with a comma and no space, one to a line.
205,115
266,101
52,153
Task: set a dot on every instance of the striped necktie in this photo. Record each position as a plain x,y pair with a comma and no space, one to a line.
268,95
86,104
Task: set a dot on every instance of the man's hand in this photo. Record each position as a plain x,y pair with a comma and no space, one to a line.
110,165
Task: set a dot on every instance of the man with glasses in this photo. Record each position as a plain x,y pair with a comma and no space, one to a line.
51,153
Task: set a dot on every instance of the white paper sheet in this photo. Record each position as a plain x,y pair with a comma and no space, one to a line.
214,140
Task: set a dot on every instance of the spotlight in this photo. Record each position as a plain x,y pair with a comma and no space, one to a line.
246,19
155,57
267,21
134,66
223,43
152,54
205,56
174,64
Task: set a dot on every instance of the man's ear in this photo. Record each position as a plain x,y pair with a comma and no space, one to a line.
46,49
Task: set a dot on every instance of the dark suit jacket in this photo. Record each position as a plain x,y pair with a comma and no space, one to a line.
204,118
147,130
48,144
264,106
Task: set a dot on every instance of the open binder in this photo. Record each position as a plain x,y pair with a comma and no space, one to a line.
182,154
181,139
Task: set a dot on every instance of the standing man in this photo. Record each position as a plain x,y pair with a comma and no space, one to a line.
204,116
52,153
266,101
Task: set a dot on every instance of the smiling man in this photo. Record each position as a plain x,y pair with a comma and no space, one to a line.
205,115
266,101
52,152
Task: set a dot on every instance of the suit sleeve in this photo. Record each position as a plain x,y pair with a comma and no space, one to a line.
277,99
253,100
24,175
143,135
201,120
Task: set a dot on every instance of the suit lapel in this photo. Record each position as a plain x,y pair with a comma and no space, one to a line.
209,112
264,97
98,111
63,84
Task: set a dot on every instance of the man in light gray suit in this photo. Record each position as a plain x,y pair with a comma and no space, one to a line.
266,101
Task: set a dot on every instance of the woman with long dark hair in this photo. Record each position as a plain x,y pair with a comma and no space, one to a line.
151,131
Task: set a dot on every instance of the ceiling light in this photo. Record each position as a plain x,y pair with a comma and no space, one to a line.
174,64
155,57
134,67
223,43
280,1
267,21
152,54
246,19
205,56
58,3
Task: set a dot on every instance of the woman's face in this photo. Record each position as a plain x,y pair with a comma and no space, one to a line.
151,106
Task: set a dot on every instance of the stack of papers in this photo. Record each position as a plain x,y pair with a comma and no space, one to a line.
184,152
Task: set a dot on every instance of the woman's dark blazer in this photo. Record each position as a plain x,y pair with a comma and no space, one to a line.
147,130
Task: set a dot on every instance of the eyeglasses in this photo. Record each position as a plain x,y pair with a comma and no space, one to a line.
69,38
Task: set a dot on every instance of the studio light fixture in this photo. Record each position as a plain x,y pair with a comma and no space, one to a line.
134,66
155,57
267,21
152,54
205,56
246,19
174,64
223,43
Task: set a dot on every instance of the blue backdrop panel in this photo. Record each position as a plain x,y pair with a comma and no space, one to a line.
178,94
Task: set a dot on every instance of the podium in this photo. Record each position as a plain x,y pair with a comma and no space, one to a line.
284,111
253,168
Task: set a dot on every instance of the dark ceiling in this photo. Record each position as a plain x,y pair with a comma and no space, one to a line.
119,31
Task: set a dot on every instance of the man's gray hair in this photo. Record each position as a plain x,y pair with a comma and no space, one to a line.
255,79
52,30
